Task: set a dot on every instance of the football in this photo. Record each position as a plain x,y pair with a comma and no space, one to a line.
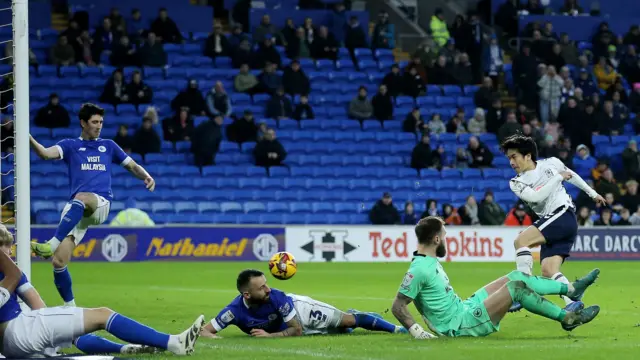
282,265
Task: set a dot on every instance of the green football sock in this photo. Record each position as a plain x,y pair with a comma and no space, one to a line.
533,302
541,285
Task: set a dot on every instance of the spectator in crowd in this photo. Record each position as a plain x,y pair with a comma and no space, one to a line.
115,89
605,74
436,125
483,98
206,140
117,20
395,83
605,218
409,216
295,80
146,140
567,91
440,73
460,32
439,28
601,167
138,91
360,107
53,115
384,212
413,85
457,124
88,52
124,54
619,106
610,123
289,33
584,200
427,52
179,127
383,36
463,71
507,17
450,215
152,53
493,59
571,8
325,46
481,156
585,82
422,154
136,26
243,129
303,110
554,58
568,50
218,101
298,47
72,33
236,37
382,104
635,218
634,99
310,30
416,63
584,217
631,160
490,213
105,36
469,212
269,151
266,30
245,81
431,209
573,123
355,36
413,122
217,43
509,128
625,219
243,55
165,28
62,53
525,76
123,139
607,184
630,199
279,106
267,53
518,216
269,80
338,22
565,157
192,98
550,93
462,159
477,124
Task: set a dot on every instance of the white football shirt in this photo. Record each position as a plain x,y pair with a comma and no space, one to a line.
546,172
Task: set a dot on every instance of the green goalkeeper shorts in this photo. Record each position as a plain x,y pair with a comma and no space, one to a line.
474,320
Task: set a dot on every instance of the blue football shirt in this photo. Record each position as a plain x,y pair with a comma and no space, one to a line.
89,163
270,317
11,309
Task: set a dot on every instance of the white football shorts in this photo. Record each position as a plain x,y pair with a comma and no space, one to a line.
98,217
34,332
315,316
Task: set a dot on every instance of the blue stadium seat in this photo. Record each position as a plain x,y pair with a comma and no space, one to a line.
450,173
253,206
162,207
471,174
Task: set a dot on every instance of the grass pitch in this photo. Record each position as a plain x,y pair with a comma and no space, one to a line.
170,295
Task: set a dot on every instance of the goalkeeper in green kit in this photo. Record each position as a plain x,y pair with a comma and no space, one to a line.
427,286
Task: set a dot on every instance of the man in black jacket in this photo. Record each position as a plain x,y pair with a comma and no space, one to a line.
217,43
394,81
269,151
139,92
325,45
384,212
53,115
279,106
480,154
295,80
205,141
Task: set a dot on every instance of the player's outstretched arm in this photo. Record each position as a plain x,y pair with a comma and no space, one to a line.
142,174
209,331
50,153
539,194
400,309
577,180
294,328
32,298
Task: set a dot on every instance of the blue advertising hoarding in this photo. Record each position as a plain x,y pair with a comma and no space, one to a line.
607,243
174,243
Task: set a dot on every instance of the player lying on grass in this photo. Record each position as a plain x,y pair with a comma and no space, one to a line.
88,160
32,333
427,285
262,311
539,183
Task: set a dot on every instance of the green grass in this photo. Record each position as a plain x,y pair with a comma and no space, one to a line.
170,295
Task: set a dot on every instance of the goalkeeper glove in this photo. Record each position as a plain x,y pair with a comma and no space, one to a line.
418,332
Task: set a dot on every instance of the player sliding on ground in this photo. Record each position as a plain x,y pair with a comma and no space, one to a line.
261,311
89,161
33,333
427,285
539,184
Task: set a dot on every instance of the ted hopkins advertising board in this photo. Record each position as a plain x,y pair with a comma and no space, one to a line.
173,243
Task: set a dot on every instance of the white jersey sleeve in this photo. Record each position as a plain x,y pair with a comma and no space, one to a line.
538,194
575,180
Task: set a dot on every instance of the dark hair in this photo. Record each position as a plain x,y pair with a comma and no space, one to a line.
245,277
428,228
522,144
88,110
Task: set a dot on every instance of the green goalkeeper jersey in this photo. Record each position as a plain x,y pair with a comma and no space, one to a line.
428,285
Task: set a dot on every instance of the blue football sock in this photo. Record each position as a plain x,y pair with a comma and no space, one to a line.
133,332
91,345
371,322
70,219
62,279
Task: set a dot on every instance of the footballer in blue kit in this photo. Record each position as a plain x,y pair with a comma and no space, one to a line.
89,160
40,331
261,311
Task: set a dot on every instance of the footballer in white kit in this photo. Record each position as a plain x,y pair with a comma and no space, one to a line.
539,183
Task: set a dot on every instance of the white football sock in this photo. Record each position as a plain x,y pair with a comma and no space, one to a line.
71,303
524,260
563,279
54,243
174,345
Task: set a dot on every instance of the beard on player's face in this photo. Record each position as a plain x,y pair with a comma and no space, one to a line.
441,250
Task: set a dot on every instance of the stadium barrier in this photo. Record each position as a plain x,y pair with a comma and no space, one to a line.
326,243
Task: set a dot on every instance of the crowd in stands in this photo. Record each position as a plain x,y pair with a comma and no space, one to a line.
567,98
